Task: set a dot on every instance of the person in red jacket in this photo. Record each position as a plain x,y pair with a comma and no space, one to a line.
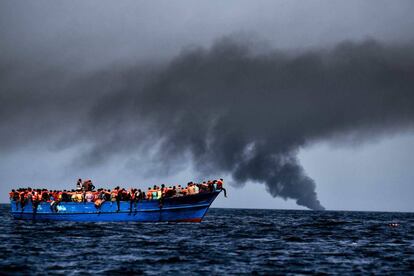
220,183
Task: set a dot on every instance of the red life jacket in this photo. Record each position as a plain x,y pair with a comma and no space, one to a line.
22,195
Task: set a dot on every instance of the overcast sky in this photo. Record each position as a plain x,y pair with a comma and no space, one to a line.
46,45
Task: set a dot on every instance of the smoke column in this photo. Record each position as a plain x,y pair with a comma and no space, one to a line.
228,109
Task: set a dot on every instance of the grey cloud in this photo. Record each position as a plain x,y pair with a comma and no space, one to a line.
228,109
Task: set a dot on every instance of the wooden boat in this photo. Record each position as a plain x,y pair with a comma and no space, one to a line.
189,208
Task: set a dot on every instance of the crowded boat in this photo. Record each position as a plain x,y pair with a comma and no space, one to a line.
86,192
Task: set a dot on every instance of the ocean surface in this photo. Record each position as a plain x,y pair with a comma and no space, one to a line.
228,241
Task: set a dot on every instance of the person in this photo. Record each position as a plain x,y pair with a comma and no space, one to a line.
45,195
117,193
23,198
133,197
220,184
107,195
14,196
98,203
65,196
160,191
190,189
184,191
88,186
36,199
79,185
149,193
178,190
89,197
11,194
102,195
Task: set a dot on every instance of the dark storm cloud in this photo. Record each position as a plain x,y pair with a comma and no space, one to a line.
229,109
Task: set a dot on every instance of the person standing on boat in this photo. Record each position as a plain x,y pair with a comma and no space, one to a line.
88,186
133,197
149,193
22,199
116,196
36,199
14,196
79,185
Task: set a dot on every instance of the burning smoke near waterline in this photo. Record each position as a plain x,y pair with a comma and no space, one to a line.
228,109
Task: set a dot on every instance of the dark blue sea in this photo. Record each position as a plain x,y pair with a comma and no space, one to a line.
228,241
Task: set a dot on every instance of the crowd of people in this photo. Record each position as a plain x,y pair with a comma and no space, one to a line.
85,192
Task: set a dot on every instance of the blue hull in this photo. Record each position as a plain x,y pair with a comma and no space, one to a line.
190,208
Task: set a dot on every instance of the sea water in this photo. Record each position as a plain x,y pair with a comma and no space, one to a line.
228,241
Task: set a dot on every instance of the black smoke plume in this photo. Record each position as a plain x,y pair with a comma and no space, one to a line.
228,109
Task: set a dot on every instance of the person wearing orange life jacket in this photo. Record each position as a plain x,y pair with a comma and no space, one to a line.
23,197
29,195
45,195
11,195
107,194
190,189
37,198
133,197
98,203
39,195
99,198
14,196
154,191
96,194
149,193
220,184
55,195
114,194
116,197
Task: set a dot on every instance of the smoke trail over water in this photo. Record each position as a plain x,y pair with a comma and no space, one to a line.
228,109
